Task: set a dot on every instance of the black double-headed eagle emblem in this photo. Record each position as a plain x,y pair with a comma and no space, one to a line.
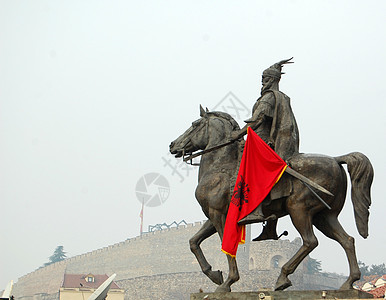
240,193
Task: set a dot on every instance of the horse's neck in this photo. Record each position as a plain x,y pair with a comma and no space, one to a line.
217,155
224,160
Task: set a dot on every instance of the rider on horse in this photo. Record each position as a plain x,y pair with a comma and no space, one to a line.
273,120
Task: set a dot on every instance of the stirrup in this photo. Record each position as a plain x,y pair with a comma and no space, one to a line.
255,219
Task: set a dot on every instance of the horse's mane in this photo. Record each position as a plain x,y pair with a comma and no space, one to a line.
226,116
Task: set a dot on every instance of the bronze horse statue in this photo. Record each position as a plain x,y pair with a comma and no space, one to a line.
216,180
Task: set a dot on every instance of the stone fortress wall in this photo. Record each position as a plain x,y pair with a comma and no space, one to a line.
155,258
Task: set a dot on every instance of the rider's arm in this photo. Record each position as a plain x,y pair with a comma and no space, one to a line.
243,131
263,111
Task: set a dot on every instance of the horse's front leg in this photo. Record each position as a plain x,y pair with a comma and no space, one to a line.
205,231
233,276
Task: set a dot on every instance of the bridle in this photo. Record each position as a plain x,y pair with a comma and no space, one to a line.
189,159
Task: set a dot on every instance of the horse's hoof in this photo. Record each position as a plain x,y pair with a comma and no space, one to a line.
346,286
216,277
282,284
223,289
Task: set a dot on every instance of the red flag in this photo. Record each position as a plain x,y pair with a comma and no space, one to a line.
260,169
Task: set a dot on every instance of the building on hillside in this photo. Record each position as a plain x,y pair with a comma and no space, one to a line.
81,286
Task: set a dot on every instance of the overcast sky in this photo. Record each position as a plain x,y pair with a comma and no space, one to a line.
93,92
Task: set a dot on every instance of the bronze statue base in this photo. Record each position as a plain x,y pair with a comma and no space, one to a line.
281,295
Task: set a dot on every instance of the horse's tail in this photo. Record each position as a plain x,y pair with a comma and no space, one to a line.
361,174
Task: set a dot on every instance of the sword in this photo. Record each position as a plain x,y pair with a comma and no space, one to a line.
308,182
317,196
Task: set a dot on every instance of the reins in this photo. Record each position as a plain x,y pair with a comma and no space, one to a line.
190,157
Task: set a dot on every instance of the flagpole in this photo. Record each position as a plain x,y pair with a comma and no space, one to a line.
141,216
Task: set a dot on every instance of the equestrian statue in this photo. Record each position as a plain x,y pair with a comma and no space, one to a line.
312,191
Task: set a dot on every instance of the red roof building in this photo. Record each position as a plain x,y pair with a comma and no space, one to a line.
379,292
375,286
81,286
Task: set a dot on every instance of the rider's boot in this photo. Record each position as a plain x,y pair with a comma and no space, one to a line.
256,216
269,232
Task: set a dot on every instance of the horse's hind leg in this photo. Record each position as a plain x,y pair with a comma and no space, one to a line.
301,219
205,231
330,226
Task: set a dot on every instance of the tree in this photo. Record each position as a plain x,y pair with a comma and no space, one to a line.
58,255
378,269
313,266
373,270
363,268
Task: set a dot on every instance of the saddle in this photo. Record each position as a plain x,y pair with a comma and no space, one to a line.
283,188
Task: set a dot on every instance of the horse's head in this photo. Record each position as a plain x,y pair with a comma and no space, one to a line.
211,129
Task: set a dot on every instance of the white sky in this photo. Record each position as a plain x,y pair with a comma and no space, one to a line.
93,92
